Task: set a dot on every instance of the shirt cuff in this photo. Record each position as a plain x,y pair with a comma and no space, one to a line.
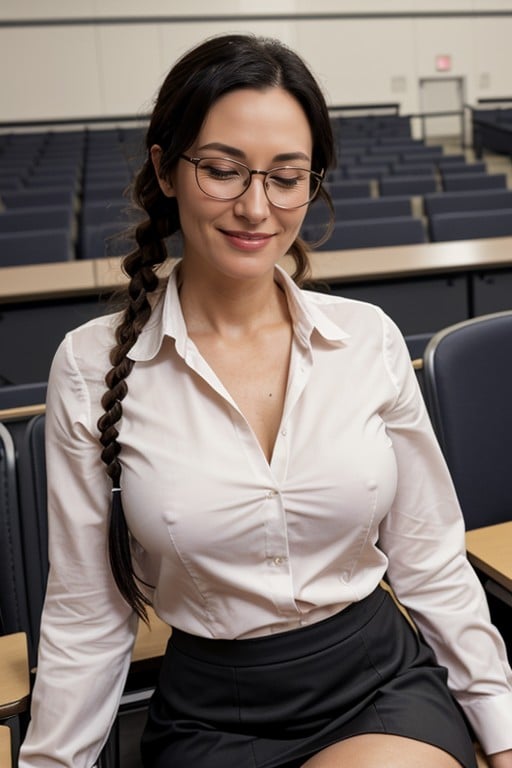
491,718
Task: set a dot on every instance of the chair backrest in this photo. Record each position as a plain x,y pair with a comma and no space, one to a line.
40,197
476,200
350,188
367,171
412,169
20,395
13,593
24,528
458,168
47,217
462,181
34,519
469,225
467,374
394,230
407,185
372,208
41,246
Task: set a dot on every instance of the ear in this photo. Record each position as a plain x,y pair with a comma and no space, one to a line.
156,158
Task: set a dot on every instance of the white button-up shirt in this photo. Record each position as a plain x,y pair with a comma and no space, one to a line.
235,546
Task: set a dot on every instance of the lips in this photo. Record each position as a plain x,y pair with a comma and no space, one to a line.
247,240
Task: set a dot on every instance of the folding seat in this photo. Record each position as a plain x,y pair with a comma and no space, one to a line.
412,169
364,233
33,198
346,210
10,183
475,431
474,200
449,161
35,247
372,208
367,171
466,181
459,168
55,177
21,395
379,159
26,219
105,240
407,185
470,225
416,155
104,191
403,141
102,212
349,188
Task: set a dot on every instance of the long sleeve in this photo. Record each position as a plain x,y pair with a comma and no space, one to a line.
423,537
87,629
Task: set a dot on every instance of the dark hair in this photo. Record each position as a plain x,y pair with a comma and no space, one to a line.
194,84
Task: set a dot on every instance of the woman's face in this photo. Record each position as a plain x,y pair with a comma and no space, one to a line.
245,237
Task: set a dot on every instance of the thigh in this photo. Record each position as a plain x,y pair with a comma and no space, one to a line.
376,750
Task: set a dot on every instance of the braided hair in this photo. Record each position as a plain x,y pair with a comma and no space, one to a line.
214,68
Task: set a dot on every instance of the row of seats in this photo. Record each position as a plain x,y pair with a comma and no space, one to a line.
446,216
392,189
84,213
58,189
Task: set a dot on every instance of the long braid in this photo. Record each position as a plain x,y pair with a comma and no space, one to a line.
194,84
140,266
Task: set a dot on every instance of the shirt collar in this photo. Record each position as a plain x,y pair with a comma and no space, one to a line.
307,309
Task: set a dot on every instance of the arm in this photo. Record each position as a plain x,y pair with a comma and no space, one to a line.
87,630
423,537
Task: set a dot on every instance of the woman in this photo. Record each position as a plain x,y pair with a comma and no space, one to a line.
276,462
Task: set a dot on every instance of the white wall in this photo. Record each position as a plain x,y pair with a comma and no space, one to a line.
97,67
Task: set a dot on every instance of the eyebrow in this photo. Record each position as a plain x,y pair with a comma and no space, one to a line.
235,152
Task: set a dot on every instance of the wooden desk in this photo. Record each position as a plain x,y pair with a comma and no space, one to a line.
14,675
75,278
490,550
151,643
5,746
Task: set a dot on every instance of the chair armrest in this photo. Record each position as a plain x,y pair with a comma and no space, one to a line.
14,675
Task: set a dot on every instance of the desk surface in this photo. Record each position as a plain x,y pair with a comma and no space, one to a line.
490,550
5,745
151,642
81,277
14,677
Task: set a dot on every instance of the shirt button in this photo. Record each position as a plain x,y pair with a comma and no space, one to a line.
271,494
283,432
279,561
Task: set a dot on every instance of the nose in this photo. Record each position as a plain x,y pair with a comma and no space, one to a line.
253,205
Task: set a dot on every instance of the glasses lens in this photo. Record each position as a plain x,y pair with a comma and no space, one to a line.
286,187
223,179
291,187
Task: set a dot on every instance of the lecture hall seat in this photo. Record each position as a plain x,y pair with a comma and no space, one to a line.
470,225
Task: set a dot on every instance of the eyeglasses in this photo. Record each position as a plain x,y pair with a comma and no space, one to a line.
225,179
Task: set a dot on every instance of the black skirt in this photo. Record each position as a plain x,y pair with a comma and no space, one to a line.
275,701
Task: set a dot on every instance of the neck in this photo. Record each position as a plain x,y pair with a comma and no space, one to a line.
229,307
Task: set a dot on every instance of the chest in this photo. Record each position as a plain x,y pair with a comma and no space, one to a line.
255,374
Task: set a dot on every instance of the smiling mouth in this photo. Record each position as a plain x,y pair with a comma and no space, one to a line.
249,236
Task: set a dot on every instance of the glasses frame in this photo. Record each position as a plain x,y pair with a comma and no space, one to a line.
319,177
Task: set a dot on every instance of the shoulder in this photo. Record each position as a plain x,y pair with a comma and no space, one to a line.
88,346
351,315
77,376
